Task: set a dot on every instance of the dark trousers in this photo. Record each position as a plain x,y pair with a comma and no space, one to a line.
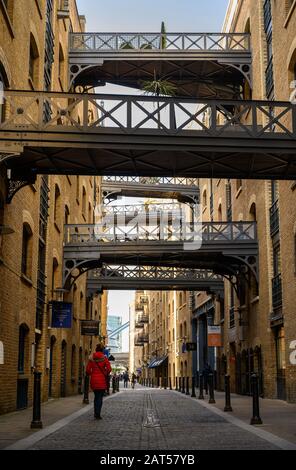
125,384
98,403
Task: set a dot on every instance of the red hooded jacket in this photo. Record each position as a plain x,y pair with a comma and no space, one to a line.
99,368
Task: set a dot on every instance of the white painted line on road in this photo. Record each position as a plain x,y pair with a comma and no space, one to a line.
29,441
267,436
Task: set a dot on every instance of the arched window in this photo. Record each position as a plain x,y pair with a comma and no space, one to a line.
204,198
55,266
66,215
253,213
61,67
23,348
220,213
57,204
84,202
27,248
33,61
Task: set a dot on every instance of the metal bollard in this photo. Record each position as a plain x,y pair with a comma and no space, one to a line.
36,422
113,385
183,384
170,382
86,390
193,394
165,383
187,386
180,384
255,392
228,406
211,388
201,395
152,381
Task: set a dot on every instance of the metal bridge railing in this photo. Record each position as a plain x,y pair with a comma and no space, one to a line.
147,42
211,232
83,115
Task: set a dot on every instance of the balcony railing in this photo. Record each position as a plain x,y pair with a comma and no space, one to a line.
141,320
274,218
140,340
277,292
232,317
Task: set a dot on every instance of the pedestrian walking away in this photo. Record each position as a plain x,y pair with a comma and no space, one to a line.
134,378
125,380
98,368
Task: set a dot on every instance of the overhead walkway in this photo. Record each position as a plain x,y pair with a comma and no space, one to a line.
185,190
147,136
198,64
220,247
122,277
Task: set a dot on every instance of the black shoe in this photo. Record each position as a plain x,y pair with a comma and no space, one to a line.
98,417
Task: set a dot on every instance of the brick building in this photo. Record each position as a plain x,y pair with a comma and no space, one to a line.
259,327
33,56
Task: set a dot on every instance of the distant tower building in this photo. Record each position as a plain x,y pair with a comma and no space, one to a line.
114,343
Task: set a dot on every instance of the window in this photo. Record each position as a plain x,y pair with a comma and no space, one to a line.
55,266
33,61
67,215
27,242
84,202
57,201
204,198
61,71
23,335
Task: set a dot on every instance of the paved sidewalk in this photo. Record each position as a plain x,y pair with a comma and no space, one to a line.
278,416
146,419
16,425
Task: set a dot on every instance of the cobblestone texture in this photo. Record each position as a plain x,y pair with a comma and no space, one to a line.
184,424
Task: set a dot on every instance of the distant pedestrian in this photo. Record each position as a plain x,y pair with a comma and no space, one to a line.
125,380
134,378
99,369
206,371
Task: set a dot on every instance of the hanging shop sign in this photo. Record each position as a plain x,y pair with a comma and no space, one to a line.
214,336
90,328
61,316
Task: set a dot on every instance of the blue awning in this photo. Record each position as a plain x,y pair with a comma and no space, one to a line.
157,361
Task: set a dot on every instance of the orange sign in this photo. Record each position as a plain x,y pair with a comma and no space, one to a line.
214,336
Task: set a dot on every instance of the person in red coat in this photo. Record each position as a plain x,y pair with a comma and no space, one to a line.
98,368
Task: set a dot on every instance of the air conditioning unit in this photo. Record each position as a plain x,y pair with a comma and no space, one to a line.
64,9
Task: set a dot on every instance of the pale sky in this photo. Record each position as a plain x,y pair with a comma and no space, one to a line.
139,16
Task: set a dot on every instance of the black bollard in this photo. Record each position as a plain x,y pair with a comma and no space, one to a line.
187,386
228,406
193,394
180,384
255,392
152,381
118,384
183,384
86,390
201,395
113,385
37,423
211,388
165,383
176,383
170,382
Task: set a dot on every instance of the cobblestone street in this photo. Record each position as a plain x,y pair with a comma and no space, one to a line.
145,419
